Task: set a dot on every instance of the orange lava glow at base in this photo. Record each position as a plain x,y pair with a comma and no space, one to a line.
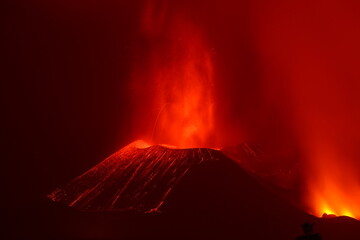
333,190
331,201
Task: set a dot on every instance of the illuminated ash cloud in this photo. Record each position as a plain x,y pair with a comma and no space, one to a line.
173,81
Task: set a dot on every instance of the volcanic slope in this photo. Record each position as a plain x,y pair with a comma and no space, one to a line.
135,177
201,194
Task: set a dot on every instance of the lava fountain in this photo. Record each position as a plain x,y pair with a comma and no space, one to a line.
177,78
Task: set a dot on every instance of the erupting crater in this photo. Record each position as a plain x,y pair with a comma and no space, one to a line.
177,77
137,177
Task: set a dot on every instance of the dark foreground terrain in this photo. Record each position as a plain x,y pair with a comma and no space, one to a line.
215,200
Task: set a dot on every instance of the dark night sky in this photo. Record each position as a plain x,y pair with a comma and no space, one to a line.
64,93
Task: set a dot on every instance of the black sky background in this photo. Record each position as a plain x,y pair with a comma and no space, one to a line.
64,91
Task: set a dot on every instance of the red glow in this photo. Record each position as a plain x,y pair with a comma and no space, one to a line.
180,81
314,56
139,177
305,96
335,188
140,144
185,92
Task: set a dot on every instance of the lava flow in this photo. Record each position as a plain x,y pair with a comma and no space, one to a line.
137,177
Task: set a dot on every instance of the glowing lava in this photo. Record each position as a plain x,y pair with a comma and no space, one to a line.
178,80
137,177
334,190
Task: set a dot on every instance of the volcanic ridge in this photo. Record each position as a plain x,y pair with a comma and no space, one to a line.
133,178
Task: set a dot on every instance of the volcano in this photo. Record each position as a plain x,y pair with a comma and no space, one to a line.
138,176
164,192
